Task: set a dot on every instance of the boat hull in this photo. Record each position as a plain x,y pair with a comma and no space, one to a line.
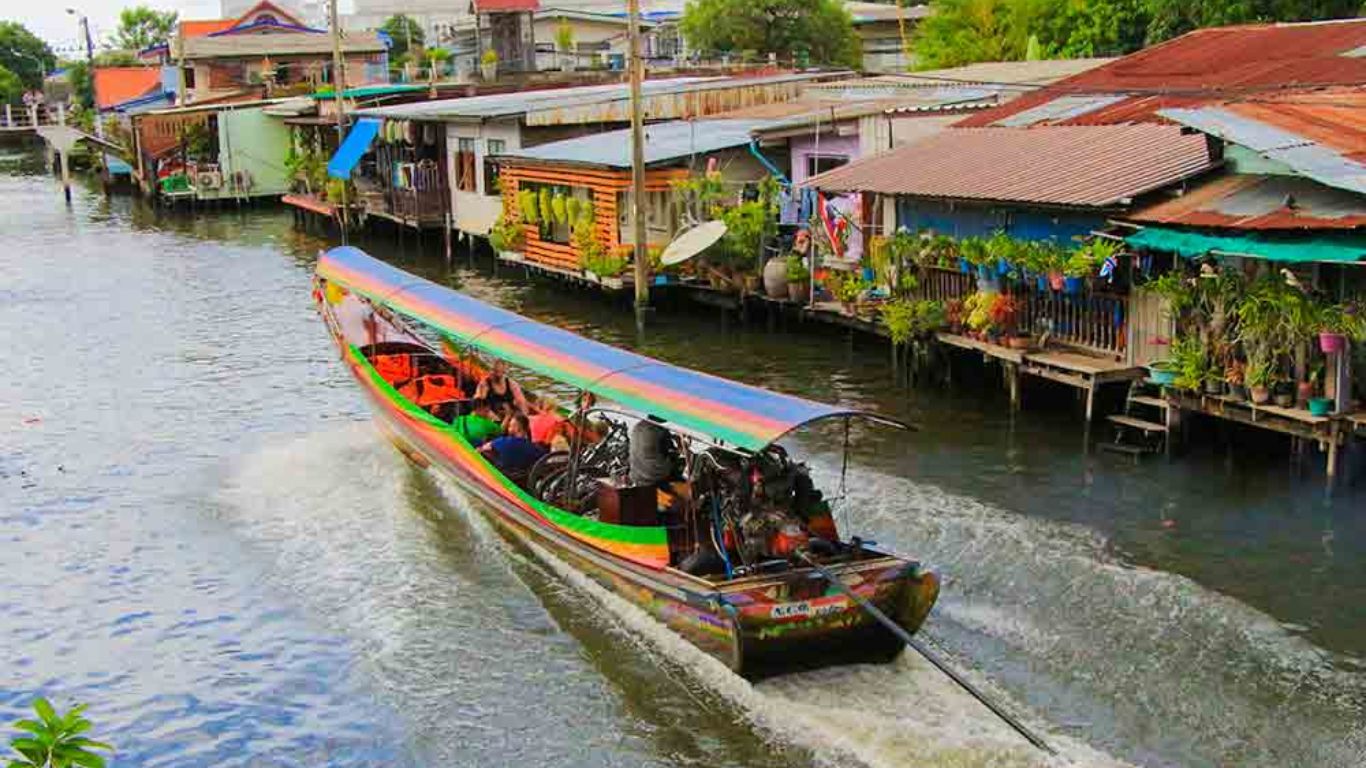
756,626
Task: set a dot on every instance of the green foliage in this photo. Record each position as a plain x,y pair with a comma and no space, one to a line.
593,253
796,269
307,167
507,234
544,210
819,30
405,34
11,87
908,319
55,741
339,191
964,31
24,54
847,288
142,27
564,36
490,57
559,209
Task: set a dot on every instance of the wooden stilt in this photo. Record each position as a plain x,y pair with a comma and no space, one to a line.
1012,371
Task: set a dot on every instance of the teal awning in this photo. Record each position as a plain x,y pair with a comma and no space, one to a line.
357,143
1334,247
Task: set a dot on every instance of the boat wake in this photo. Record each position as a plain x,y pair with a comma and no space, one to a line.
455,625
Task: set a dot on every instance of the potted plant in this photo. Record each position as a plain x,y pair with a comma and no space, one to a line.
507,235
1259,380
1234,376
564,41
798,279
1078,266
1283,392
1188,360
775,277
1162,373
953,315
488,65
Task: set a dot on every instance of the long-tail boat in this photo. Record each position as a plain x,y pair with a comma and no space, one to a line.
721,553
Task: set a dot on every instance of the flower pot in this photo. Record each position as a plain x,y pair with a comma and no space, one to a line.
1260,395
489,71
1304,391
1331,343
751,283
1237,391
1073,285
775,278
868,274
983,273
1056,281
1042,283
1159,374
798,292
1285,399
1002,267
965,266
1320,406
1215,387
1018,342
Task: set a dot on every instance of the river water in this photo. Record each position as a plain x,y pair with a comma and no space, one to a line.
206,540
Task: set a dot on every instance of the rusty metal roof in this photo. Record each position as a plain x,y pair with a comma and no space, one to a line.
1207,65
1087,166
1260,202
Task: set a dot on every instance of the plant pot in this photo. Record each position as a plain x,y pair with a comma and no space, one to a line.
1002,267
868,274
1018,342
1160,375
848,307
1215,388
1320,406
1237,391
1332,343
1285,399
1042,283
965,266
1304,392
987,282
1260,395
1056,281
799,292
1073,285
775,278
489,71
983,272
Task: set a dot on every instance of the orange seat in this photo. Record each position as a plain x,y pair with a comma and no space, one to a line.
432,389
395,369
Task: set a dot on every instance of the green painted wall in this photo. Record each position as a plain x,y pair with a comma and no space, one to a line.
253,144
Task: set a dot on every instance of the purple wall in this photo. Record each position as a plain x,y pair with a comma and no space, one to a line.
805,146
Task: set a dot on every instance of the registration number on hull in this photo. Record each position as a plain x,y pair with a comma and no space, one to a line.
807,610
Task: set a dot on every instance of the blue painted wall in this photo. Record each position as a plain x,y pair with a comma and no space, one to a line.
967,220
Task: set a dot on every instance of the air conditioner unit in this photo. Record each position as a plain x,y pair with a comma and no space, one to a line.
208,180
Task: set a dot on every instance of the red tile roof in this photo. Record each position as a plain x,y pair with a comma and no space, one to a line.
1254,201
115,85
201,28
1098,166
1208,65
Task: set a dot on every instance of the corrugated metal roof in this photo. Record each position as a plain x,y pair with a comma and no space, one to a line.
1208,65
981,73
1058,110
504,6
872,13
1260,202
664,142
524,103
1066,166
1300,153
116,85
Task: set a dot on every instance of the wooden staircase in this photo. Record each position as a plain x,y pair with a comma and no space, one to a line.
1146,423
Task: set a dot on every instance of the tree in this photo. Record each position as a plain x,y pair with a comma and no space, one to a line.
142,27
404,32
22,53
820,30
11,87
55,740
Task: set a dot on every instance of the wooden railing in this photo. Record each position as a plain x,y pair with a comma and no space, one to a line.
1095,321
24,118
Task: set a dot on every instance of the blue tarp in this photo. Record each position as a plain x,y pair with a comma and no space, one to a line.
356,144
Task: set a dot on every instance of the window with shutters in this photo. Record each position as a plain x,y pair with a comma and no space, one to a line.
465,165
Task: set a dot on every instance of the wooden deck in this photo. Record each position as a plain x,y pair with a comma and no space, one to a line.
1328,432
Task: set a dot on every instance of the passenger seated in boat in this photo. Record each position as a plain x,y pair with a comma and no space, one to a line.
478,426
513,452
546,423
594,425
500,391
653,456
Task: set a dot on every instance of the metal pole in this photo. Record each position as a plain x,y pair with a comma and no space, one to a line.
940,664
638,167
338,89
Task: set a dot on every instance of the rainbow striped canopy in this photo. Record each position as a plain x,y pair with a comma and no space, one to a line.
735,414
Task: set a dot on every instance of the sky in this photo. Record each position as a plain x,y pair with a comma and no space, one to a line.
49,20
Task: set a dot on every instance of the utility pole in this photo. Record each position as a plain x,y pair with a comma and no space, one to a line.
637,67
338,89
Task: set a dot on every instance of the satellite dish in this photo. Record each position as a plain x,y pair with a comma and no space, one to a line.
693,242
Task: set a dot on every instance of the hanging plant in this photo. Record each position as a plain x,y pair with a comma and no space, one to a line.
559,209
573,208
526,200
547,215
